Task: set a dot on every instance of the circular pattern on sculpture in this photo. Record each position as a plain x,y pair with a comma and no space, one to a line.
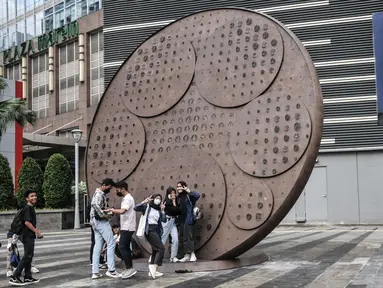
239,61
270,135
116,144
250,204
202,174
157,75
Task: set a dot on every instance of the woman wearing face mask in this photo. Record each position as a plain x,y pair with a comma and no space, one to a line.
153,230
186,201
172,211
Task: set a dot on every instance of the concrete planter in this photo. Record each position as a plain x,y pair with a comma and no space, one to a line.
59,219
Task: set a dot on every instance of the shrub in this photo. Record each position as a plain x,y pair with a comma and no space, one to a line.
57,182
81,189
30,178
6,183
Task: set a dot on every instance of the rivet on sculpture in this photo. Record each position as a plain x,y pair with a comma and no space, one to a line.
227,100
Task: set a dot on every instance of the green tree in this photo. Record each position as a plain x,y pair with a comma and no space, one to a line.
30,178
57,182
12,110
6,183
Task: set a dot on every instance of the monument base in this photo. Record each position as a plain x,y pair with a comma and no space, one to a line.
141,264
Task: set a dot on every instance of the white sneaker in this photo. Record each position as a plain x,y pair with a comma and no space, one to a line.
96,276
34,270
175,260
114,274
193,258
150,259
9,273
128,273
152,271
186,258
158,274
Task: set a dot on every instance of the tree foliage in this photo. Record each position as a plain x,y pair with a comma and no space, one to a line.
6,183
57,182
14,110
30,178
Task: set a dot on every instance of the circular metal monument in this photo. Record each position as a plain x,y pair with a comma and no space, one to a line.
227,100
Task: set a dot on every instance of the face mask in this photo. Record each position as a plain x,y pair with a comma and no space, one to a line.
157,201
119,194
106,191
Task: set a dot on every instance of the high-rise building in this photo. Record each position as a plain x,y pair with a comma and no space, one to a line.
56,49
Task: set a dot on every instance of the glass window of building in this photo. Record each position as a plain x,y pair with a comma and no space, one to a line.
94,5
11,9
12,34
30,27
59,15
20,34
48,16
40,92
38,3
69,77
70,12
39,22
20,5
4,40
96,67
3,11
82,8
29,4
13,72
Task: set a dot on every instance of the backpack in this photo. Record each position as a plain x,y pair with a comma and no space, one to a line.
18,222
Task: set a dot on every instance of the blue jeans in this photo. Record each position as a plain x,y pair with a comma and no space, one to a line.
171,228
102,231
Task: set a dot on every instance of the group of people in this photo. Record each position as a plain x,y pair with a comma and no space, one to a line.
174,216
162,218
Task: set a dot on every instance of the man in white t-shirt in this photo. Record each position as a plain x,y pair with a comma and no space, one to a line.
127,227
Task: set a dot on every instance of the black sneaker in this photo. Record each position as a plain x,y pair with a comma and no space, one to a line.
31,280
16,281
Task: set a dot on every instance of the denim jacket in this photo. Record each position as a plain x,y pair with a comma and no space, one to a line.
142,208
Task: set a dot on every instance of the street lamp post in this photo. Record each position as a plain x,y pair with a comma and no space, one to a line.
76,134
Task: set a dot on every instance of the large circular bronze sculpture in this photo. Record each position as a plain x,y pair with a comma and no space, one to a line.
227,100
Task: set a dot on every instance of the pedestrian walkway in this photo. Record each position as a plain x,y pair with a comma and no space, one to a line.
313,257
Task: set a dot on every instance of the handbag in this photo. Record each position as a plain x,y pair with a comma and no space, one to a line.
142,224
15,257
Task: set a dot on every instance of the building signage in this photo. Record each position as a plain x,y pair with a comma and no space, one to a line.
43,42
377,24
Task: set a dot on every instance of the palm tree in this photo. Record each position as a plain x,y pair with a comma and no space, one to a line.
14,110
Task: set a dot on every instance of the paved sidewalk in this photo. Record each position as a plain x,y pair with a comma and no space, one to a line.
313,257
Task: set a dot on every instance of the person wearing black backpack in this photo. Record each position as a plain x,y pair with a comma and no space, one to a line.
28,234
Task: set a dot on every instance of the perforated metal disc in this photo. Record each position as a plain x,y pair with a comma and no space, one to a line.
250,204
239,60
202,174
116,143
157,75
270,135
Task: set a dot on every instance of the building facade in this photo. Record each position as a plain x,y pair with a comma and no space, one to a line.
345,184
56,49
